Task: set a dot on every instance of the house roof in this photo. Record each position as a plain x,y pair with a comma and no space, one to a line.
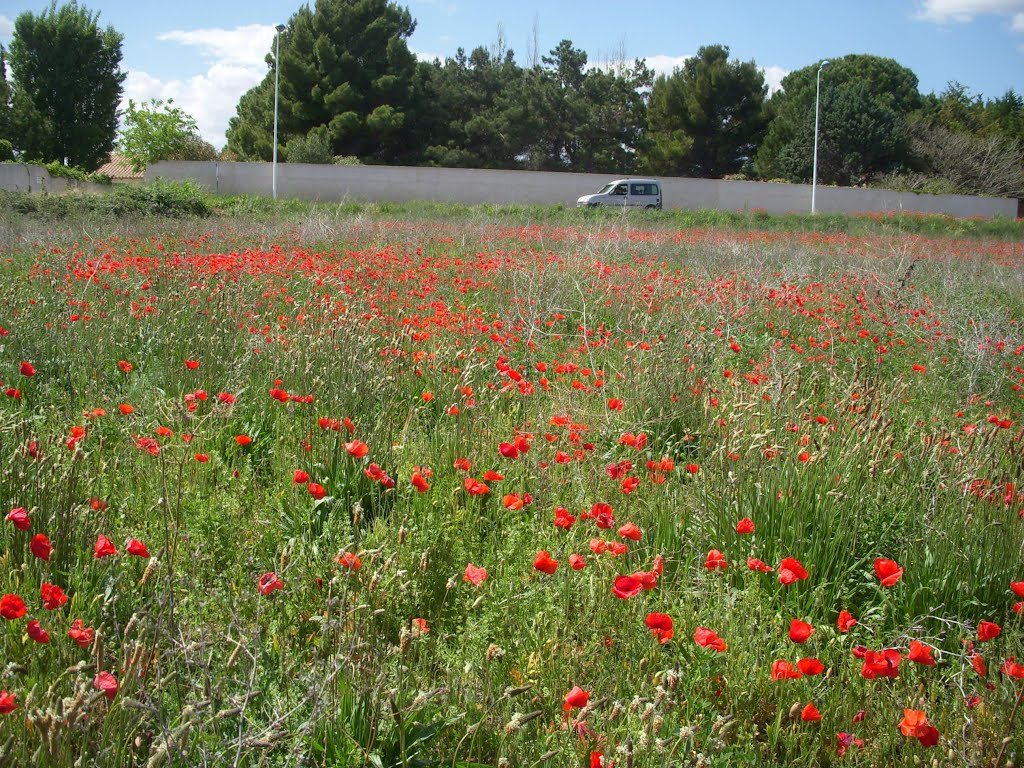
118,167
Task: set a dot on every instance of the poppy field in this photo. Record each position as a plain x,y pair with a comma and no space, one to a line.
394,492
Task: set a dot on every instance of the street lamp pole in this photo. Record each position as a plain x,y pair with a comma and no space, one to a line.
277,74
817,116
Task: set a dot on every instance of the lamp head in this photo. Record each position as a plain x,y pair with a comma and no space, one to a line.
280,28
824,64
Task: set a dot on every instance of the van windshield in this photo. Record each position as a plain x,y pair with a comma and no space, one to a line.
606,188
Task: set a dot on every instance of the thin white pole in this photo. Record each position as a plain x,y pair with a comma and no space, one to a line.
277,74
817,115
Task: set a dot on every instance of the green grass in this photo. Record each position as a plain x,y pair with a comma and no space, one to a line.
817,426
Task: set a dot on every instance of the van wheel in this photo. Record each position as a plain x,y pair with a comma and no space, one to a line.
651,208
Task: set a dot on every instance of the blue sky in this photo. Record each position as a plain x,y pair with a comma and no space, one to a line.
204,55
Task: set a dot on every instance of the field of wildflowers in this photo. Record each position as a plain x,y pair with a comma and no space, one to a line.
469,493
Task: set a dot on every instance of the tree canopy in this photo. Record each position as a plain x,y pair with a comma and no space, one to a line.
67,85
156,131
346,67
707,118
884,87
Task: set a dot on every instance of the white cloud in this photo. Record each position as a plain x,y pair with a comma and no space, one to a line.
6,27
963,11
237,63
1017,25
246,46
665,65
773,77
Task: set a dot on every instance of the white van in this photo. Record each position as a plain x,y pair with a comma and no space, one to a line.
627,193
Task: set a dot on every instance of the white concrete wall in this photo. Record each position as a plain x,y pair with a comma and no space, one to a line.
25,177
375,183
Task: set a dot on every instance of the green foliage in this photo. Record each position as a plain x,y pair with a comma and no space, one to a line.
75,174
860,137
68,84
157,131
706,119
315,148
480,116
345,69
882,87
5,104
591,119
155,198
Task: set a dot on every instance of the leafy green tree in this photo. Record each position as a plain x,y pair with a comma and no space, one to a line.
707,118
156,131
67,85
345,66
478,119
890,87
592,120
860,135
312,148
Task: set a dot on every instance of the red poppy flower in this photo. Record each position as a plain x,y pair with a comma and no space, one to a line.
300,477
508,450
81,634
707,638
757,565
12,607
1013,669
419,482
19,516
349,560
421,626
783,670
921,653
631,532
887,571
491,476
915,725
269,582
41,546
626,587
544,563
104,547
474,575
715,561
810,667
243,440
475,487
126,409
693,469
125,366
577,698
53,596
107,683
988,630
137,548
512,502
790,570
27,369
660,625
37,633
978,662
576,562
881,664
7,703
563,519
191,364
810,714
316,490
1017,587
845,622
202,458
598,546
800,631
745,526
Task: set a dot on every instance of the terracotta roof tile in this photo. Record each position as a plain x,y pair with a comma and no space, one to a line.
119,167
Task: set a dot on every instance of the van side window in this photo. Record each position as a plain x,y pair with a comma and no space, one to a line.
643,189
619,190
